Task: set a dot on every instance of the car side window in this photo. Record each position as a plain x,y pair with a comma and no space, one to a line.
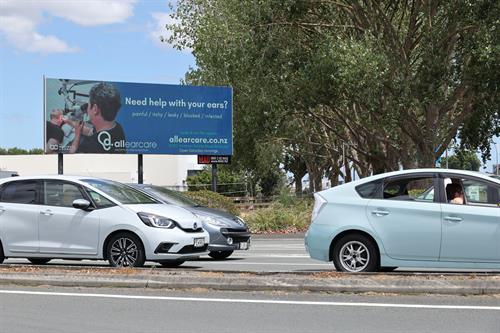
99,200
59,193
22,192
410,189
478,193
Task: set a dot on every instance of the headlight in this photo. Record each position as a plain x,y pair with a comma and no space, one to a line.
157,221
240,221
211,220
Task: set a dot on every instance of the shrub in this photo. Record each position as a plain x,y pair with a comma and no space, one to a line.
284,216
213,200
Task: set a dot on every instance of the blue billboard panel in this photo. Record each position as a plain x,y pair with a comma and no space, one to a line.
137,118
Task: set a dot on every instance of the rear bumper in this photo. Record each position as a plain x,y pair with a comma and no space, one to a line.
317,242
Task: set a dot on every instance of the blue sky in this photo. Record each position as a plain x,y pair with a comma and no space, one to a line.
81,40
109,40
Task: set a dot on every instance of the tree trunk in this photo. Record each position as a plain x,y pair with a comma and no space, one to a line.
298,185
318,184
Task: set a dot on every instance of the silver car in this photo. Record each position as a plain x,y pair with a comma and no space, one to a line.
227,232
42,218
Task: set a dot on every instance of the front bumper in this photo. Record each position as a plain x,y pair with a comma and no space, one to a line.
174,244
219,239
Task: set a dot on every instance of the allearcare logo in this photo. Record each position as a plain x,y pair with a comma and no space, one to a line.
104,139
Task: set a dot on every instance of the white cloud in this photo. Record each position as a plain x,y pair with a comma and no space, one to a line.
92,12
20,31
159,34
20,18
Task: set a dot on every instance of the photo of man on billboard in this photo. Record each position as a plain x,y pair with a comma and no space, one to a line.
107,135
87,122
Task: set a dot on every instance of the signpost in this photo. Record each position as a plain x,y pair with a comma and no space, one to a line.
214,160
219,159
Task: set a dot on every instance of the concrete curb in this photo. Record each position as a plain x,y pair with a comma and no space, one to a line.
248,281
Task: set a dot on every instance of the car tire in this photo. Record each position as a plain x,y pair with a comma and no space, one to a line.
39,261
2,257
219,255
355,253
125,250
171,263
386,269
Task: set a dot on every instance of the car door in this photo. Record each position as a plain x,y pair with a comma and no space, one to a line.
64,229
407,218
19,214
471,231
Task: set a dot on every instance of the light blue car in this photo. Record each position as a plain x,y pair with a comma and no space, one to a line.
412,218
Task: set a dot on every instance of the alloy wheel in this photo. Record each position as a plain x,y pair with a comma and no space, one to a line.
354,256
124,252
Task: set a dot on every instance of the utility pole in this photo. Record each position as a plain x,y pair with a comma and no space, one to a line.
497,167
446,157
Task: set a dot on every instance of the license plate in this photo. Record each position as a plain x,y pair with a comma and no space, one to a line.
243,246
199,242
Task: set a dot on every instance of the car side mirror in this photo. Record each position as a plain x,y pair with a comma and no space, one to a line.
82,204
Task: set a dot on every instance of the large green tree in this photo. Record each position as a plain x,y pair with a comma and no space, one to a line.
385,83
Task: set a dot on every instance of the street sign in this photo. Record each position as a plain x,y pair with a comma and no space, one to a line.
214,159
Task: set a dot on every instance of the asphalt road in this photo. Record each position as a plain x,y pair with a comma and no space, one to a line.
275,253
55,310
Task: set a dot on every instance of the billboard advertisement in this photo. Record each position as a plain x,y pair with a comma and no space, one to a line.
136,118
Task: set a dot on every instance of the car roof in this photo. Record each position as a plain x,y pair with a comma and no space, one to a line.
57,177
427,170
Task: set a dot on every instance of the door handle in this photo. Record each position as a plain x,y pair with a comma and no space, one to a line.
47,212
2,209
379,212
453,219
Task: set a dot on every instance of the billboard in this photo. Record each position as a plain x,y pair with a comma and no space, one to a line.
136,118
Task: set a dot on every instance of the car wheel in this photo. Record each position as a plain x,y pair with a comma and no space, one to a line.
125,250
39,261
171,263
355,253
219,255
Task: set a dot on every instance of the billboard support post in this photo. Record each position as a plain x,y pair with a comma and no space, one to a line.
214,177
140,170
60,163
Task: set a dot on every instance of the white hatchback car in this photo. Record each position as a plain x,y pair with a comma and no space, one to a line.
69,217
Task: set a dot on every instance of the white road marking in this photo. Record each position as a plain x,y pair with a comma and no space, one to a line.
272,256
255,301
278,239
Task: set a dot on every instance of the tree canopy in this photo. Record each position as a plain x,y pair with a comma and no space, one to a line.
319,84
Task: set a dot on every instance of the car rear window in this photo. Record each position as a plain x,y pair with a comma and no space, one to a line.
369,190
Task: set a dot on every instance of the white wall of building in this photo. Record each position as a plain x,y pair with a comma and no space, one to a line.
170,170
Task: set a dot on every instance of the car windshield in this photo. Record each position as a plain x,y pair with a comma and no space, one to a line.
123,193
173,197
